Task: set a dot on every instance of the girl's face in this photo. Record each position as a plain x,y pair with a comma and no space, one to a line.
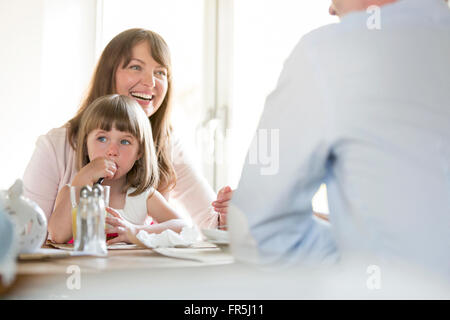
143,79
118,146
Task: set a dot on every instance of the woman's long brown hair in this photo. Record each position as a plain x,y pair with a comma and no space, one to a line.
117,54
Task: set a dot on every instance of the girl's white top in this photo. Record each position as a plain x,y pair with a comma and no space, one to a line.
135,209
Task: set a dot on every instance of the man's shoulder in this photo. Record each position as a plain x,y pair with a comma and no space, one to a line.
316,42
322,39
330,35
320,35
325,31
389,21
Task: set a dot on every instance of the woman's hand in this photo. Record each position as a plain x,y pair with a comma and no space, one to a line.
221,204
126,230
98,168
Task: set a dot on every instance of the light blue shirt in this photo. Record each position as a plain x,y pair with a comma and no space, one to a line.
366,111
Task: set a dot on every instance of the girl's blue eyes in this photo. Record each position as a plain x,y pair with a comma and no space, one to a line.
124,141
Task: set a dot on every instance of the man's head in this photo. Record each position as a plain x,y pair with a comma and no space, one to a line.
342,7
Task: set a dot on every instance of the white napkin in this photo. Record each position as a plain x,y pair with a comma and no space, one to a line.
169,238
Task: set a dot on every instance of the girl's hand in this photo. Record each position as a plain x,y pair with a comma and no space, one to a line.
126,230
221,204
98,168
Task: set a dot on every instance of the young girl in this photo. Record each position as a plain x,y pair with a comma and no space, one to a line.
114,142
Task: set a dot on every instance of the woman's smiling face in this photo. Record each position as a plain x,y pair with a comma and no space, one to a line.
143,79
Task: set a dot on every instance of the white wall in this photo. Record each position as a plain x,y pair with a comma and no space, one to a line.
46,58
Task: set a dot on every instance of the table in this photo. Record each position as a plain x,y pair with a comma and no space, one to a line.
46,275
203,272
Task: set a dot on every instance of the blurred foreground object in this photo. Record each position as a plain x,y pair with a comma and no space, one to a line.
29,219
8,250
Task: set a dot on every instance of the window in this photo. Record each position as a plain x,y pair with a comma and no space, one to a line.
264,34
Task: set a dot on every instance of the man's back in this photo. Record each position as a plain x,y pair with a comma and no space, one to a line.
373,121
389,93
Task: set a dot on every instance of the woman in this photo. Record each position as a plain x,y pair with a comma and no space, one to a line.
136,63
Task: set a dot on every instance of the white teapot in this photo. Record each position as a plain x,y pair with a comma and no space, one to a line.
29,219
